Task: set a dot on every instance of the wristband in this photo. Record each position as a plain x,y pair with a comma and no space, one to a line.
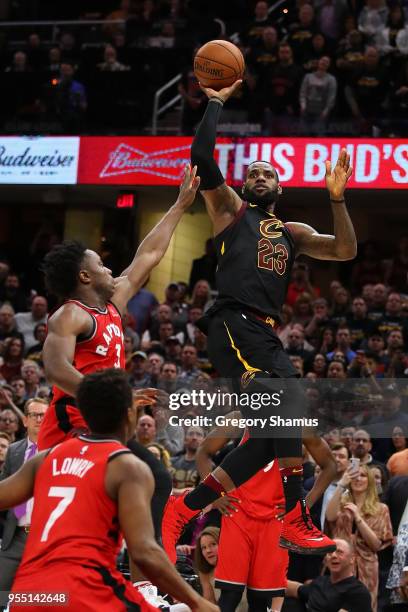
337,201
342,487
216,99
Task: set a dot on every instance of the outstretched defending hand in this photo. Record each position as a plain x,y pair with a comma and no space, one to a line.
224,93
188,188
336,180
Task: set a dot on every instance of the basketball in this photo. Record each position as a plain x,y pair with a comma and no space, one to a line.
218,64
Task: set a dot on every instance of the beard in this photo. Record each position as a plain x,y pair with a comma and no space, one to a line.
263,201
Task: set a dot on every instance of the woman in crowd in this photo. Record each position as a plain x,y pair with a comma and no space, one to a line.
326,342
319,365
355,514
201,294
205,560
13,357
302,309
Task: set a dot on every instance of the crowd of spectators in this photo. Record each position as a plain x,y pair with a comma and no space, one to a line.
349,345
314,67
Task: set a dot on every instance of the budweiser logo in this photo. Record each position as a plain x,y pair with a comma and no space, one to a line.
27,159
167,163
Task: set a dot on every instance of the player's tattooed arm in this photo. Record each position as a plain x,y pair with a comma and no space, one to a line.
154,246
341,246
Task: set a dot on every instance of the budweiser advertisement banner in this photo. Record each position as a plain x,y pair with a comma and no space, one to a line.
44,160
377,163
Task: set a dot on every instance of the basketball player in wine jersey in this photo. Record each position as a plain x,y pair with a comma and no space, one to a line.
88,491
255,254
85,333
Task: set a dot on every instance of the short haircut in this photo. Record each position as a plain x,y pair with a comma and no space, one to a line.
170,362
5,436
338,446
104,398
34,400
61,267
264,161
30,363
7,306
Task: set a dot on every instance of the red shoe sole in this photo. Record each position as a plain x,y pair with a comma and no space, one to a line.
302,550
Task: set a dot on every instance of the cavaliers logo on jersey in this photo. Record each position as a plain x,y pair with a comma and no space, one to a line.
268,228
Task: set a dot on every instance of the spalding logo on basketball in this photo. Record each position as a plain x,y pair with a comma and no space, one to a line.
218,64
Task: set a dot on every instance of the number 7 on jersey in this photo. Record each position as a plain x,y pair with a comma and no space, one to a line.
67,494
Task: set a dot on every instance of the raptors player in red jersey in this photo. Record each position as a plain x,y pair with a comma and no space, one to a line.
85,333
87,492
251,524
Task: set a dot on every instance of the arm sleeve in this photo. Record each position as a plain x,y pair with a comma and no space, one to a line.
202,149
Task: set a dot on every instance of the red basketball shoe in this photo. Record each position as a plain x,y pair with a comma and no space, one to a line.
175,517
301,536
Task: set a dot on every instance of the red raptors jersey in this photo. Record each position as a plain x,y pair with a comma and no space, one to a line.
73,518
104,348
263,492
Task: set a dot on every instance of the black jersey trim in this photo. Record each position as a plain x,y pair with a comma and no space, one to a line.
62,415
115,307
117,588
119,452
95,308
97,438
81,337
87,337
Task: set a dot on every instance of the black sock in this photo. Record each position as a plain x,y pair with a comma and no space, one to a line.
206,493
292,478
